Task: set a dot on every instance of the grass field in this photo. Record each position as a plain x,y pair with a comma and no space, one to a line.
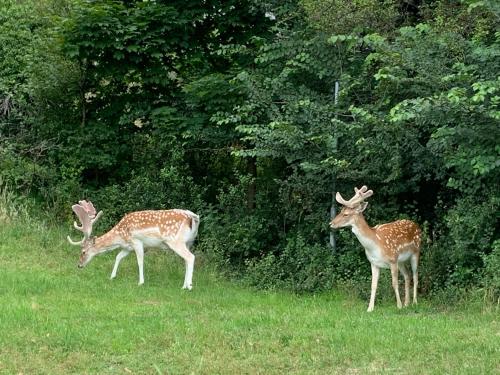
56,319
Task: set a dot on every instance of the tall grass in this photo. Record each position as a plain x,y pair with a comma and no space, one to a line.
11,205
56,319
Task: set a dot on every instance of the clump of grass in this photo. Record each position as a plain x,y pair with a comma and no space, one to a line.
11,205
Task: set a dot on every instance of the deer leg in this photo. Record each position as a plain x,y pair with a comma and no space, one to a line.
406,274
122,254
375,275
181,249
139,253
394,274
414,267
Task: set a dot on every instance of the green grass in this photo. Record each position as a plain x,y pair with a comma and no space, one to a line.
56,319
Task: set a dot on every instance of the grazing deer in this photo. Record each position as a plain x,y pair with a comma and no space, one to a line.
174,229
390,245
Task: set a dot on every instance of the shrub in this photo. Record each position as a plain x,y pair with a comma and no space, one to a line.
299,266
491,274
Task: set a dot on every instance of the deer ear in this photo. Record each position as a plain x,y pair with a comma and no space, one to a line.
361,207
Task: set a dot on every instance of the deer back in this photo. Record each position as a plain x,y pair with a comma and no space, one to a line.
398,237
166,224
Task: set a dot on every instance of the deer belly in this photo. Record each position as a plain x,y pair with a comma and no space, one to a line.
403,257
149,237
375,257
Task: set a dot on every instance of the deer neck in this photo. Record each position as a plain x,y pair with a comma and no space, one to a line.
364,233
108,241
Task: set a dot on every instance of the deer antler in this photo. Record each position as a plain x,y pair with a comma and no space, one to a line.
89,207
359,196
87,215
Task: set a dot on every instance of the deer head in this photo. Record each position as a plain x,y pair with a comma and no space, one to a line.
352,208
86,213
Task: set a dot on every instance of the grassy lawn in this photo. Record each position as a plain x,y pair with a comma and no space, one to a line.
56,319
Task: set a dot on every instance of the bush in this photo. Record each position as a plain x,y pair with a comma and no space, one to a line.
491,274
233,232
300,267
228,241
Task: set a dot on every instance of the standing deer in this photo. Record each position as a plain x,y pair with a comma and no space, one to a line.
389,245
174,229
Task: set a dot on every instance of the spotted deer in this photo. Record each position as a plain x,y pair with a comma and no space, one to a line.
175,229
390,245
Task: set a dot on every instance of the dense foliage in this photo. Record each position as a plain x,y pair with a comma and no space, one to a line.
228,108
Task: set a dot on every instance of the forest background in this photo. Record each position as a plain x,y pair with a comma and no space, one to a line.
228,108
